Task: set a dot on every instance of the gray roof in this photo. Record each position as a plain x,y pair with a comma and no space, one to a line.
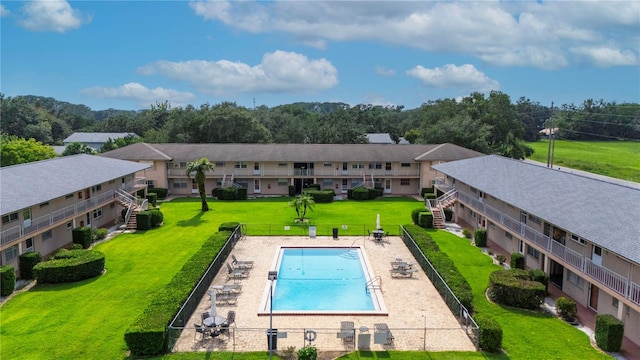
603,212
95,137
380,138
25,185
291,152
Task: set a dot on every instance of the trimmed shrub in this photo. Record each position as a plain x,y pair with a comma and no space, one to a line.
379,191
308,352
146,335
566,308
609,332
143,220
490,333
123,214
517,261
514,288
242,194
480,237
314,187
214,192
27,261
83,236
415,213
425,190
161,193
229,193
99,234
70,266
539,276
448,214
7,280
350,194
228,226
156,217
292,190
466,233
425,220
501,258
360,193
444,266
429,196
152,198
321,196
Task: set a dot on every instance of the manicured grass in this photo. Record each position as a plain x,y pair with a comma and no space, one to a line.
526,334
618,159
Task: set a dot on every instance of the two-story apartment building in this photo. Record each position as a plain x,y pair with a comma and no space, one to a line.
269,169
584,231
41,202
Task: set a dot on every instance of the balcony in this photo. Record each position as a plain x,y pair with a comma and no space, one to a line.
316,172
610,279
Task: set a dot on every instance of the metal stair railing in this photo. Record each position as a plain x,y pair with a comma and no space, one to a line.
371,284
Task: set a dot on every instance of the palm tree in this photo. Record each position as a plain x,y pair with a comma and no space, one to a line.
301,203
200,168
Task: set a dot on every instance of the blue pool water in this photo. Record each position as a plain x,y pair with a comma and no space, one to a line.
325,279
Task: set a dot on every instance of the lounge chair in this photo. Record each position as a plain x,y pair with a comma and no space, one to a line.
236,274
228,297
402,264
247,264
382,334
347,331
403,272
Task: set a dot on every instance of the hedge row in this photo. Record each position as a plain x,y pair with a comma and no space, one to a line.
609,332
160,192
515,288
490,333
146,336
70,265
363,193
27,261
443,265
83,236
321,196
480,237
149,219
7,280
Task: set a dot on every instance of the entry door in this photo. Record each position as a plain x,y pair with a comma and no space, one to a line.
596,256
345,168
256,186
387,186
194,186
593,296
26,218
256,168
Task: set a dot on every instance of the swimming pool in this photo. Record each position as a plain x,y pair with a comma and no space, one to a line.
323,280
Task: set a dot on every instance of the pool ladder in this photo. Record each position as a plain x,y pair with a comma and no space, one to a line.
371,284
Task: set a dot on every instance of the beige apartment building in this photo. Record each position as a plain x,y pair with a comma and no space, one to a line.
269,169
583,230
41,202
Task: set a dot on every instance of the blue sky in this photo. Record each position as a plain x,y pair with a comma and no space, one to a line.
129,55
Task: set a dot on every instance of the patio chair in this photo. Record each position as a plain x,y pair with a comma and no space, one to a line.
236,274
231,318
382,334
202,330
204,315
246,264
403,272
402,264
228,297
347,331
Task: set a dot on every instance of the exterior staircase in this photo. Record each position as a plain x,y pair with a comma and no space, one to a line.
133,206
438,205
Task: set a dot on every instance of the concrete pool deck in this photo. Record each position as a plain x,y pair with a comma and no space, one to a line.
417,316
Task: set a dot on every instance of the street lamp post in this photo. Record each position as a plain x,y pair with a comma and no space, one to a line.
424,344
272,276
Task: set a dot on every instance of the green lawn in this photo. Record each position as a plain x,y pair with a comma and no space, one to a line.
87,319
526,334
618,159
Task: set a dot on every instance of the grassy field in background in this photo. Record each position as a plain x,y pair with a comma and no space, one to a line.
618,159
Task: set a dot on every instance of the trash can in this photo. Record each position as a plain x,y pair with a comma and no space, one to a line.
272,339
335,233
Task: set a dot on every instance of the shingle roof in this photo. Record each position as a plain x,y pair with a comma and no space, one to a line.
603,212
380,138
33,183
95,137
291,152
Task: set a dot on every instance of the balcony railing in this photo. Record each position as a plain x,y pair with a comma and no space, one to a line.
16,232
317,172
607,277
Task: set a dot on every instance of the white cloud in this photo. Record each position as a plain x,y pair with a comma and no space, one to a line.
141,94
4,11
383,71
525,33
606,56
463,78
52,15
278,72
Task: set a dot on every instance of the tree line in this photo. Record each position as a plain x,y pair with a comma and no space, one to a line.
489,123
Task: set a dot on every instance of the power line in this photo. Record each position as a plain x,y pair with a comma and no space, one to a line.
600,135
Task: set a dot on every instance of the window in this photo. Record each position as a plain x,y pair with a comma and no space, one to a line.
327,164
574,279
11,253
97,188
597,250
473,190
28,245
472,213
405,164
508,235
178,184
615,303
47,235
112,182
531,251
219,163
492,225
387,166
357,166
240,165
535,219
112,206
461,205
9,218
405,182
69,225
327,182
376,165
626,309
283,182
69,196
578,239
97,213
80,195
282,164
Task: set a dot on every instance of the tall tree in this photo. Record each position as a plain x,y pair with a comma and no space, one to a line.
200,168
301,203
15,150
78,148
